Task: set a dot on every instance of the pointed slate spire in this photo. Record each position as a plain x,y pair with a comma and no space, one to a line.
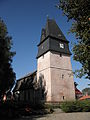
52,39
52,30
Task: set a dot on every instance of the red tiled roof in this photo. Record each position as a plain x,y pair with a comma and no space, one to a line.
78,91
84,97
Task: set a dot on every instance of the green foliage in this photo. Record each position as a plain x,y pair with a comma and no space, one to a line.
7,76
78,11
76,106
86,91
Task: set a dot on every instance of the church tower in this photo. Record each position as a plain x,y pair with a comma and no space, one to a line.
54,65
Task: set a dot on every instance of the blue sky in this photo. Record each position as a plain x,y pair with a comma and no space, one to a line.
24,20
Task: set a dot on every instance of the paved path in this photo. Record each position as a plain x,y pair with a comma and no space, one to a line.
67,116
61,116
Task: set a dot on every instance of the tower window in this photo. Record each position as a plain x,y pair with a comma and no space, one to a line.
60,55
42,47
63,97
43,56
62,76
59,35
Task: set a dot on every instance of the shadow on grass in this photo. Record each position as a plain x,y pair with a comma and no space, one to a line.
23,117
22,114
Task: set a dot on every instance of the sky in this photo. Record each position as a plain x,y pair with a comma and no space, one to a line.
24,20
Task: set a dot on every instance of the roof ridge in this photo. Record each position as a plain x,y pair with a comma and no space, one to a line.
28,74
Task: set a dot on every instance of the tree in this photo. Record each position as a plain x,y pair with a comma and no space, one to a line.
86,91
7,76
79,12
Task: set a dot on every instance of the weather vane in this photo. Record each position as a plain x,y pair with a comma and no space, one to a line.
47,16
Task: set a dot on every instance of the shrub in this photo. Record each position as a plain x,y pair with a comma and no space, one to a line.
76,106
86,106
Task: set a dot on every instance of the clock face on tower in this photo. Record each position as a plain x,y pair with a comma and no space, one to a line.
61,45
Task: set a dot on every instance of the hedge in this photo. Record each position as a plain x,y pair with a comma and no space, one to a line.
76,106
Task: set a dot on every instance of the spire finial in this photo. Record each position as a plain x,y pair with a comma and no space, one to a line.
47,17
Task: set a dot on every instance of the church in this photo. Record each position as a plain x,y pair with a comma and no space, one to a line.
54,71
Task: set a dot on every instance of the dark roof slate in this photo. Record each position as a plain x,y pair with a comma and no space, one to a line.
52,30
27,75
23,79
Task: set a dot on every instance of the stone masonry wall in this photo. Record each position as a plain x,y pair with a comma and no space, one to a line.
57,76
